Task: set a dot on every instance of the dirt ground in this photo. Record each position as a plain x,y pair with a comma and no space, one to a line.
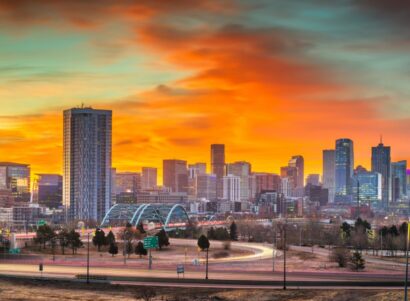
53,291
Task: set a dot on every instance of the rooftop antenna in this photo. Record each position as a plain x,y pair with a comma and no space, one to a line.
381,139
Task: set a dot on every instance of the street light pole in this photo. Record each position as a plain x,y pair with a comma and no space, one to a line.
284,256
88,258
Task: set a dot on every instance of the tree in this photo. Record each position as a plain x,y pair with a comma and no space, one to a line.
346,229
110,238
140,250
357,261
140,228
233,231
99,239
163,240
129,248
62,240
44,234
74,241
341,256
113,250
204,244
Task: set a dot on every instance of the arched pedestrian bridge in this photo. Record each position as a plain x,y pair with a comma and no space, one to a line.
167,216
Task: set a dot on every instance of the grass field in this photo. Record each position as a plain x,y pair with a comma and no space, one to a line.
59,291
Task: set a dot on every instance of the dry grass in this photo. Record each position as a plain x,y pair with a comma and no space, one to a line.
59,291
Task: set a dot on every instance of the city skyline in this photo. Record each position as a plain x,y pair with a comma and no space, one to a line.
186,75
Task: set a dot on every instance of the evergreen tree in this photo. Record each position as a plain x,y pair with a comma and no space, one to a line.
233,231
110,238
163,240
357,261
113,250
74,241
99,238
203,242
44,234
62,240
140,250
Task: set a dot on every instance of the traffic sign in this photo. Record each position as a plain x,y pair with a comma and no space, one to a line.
180,270
151,242
41,223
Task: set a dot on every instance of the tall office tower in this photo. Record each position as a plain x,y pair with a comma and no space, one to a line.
232,188
242,170
127,182
344,162
149,178
48,190
205,186
381,164
408,182
15,177
328,173
267,181
175,175
299,163
218,166
399,185
370,187
313,179
87,163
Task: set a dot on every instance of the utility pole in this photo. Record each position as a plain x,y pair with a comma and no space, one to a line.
88,258
407,262
284,255
358,198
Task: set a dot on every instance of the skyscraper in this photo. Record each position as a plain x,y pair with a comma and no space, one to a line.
241,169
399,185
87,163
370,187
218,166
381,164
328,175
175,175
149,178
15,177
344,162
299,163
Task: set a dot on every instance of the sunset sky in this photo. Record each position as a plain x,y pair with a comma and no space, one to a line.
270,79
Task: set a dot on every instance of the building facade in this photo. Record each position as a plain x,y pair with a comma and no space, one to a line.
15,177
149,178
328,173
344,162
48,190
87,163
381,163
218,166
242,170
232,188
399,181
175,175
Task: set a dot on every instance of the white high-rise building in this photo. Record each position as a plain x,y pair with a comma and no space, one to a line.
241,169
87,163
232,188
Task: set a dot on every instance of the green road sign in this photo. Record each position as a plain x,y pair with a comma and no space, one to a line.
41,222
151,242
